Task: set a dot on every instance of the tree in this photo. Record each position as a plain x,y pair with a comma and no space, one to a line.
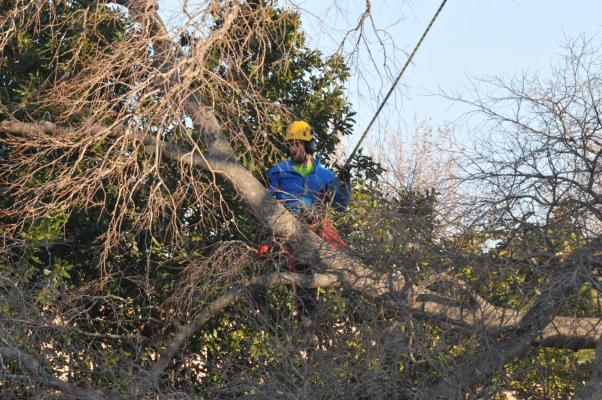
130,192
539,181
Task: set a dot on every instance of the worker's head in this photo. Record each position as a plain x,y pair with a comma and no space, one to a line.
300,140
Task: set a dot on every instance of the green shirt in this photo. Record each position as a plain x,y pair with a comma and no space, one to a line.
305,168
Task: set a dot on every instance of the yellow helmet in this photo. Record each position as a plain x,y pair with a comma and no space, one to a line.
299,130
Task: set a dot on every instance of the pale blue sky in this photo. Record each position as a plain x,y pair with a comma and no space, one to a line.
471,38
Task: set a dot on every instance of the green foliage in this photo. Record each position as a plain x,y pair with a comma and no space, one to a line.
549,373
385,226
47,230
43,52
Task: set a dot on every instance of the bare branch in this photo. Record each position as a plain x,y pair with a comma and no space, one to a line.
40,375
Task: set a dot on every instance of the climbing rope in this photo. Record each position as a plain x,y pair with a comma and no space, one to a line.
382,104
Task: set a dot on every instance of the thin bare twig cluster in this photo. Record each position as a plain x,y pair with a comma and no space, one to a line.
114,93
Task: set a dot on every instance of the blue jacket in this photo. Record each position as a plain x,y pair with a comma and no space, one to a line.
298,193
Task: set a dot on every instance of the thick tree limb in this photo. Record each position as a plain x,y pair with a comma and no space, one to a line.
43,377
492,358
562,332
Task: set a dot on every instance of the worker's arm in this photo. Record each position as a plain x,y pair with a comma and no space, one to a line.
340,187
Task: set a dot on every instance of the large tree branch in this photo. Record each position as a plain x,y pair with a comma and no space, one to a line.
307,246
481,366
562,331
43,377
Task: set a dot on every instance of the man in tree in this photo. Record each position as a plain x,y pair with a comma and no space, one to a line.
306,188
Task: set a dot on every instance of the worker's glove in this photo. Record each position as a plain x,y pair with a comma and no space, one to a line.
345,177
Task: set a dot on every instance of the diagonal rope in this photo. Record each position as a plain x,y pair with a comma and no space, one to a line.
382,104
